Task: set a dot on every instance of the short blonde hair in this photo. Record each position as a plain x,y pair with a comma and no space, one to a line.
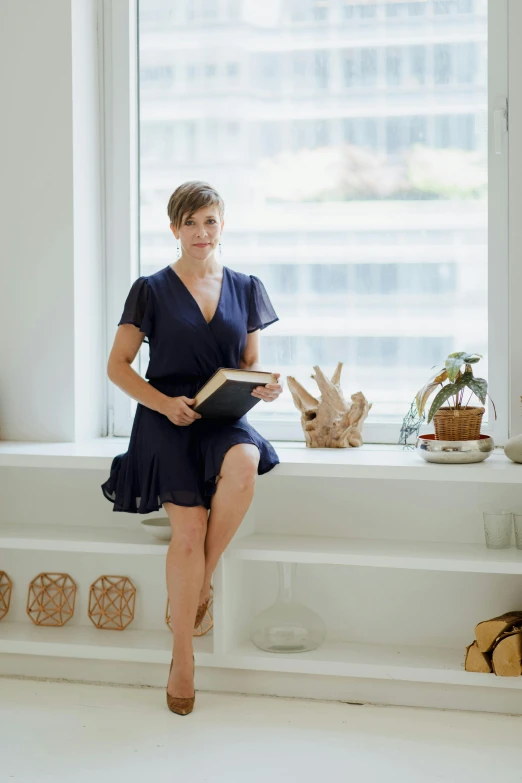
191,196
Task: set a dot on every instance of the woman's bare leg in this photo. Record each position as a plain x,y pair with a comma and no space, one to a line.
228,505
185,569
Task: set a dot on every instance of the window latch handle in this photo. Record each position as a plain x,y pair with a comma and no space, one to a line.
500,124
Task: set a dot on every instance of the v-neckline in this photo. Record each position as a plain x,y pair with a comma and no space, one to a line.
195,300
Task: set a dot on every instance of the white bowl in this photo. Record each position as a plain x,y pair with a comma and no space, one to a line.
159,527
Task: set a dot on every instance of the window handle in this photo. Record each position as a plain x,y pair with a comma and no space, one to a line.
500,124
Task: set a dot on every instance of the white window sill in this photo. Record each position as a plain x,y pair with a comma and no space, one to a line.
372,460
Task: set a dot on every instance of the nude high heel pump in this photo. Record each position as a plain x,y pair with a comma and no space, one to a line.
201,613
181,705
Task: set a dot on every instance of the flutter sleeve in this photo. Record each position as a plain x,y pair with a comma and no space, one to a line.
137,309
261,312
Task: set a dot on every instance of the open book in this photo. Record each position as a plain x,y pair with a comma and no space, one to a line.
227,393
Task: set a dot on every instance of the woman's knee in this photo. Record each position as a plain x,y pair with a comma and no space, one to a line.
189,526
240,464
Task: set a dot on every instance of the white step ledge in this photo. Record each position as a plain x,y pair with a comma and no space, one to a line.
339,658
372,460
321,550
377,553
86,641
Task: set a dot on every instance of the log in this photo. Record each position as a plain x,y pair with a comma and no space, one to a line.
507,654
330,421
477,661
488,631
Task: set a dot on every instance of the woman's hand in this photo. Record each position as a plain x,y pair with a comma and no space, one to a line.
270,392
178,410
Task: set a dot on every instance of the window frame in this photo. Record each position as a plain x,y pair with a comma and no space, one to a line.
118,38
119,56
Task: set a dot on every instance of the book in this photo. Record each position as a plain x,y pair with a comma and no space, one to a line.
227,393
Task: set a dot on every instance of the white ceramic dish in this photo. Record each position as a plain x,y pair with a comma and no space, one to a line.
159,527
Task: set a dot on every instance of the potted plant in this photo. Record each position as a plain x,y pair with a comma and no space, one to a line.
456,421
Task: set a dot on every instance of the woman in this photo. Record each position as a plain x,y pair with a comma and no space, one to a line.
197,316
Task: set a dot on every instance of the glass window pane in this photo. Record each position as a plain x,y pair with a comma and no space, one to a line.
349,142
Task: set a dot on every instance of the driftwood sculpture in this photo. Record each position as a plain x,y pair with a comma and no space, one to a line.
330,422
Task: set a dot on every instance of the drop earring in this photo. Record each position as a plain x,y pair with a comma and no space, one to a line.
178,249
220,251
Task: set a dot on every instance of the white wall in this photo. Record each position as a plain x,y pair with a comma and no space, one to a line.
51,319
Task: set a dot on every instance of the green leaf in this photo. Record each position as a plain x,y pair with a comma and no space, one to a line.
453,364
447,391
440,399
479,386
464,380
457,359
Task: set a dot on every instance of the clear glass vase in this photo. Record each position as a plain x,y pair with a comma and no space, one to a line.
287,626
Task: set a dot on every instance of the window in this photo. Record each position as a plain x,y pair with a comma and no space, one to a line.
418,64
310,70
266,71
308,10
202,10
466,63
270,142
398,135
444,7
350,69
442,63
320,10
321,69
393,66
417,9
361,131
309,134
355,180
393,9
352,11
418,130
360,67
158,76
232,70
367,11
442,131
368,67
401,10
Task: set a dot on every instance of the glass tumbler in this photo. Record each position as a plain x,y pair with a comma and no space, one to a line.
518,530
497,527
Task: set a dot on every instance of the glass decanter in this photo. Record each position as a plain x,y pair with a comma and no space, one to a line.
287,626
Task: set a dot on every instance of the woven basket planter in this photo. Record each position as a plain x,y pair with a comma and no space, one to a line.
458,423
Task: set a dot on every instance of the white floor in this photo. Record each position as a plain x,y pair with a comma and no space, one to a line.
59,731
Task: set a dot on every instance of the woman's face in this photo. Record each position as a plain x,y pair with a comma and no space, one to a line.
199,233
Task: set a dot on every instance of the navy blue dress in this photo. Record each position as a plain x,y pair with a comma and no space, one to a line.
180,464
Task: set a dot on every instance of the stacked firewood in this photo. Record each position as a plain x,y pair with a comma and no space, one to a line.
497,647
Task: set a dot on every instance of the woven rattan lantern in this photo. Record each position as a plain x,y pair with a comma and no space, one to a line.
207,621
6,588
111,602
50,600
